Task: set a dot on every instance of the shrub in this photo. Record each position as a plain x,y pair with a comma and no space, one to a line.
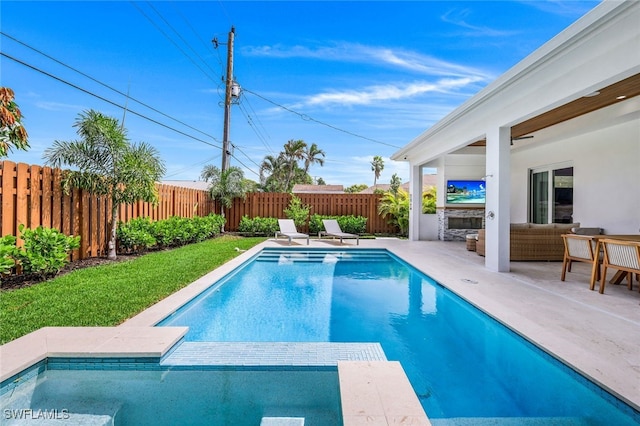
350,224
45,250
258,225
8,252
141,233
135,235
297,211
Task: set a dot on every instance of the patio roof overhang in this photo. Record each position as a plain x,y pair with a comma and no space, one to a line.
587,67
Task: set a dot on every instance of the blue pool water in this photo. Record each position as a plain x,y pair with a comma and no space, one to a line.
125,392
461,363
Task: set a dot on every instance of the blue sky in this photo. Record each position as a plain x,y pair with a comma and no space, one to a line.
358,78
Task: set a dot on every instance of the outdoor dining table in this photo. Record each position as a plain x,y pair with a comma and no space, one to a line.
619,276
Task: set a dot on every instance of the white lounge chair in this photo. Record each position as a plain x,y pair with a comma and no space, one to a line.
332,229
288,229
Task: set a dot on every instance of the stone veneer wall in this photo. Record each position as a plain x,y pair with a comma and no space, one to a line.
446,234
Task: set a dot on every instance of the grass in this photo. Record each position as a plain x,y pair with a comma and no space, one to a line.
110,294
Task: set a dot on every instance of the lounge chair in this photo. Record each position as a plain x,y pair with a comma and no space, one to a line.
332,229
288,229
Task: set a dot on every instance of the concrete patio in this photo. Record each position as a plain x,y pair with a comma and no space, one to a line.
597,334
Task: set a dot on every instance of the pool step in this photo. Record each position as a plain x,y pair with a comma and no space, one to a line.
512,421
282,421
320,256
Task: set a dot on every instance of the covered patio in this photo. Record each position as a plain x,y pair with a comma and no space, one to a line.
570,111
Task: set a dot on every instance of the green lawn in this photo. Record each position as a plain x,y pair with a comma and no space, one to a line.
110,294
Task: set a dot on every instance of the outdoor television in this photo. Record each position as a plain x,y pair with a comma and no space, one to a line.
466,192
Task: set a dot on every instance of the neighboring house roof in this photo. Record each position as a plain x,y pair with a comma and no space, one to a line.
192,184
427,182
318,189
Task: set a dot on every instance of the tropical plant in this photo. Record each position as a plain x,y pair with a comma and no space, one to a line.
12,132
297,211
225,185
258,225
45,250
396,208
377,165
395,183
354,189
272,173
108,164
280,173
429,201
294,150
8,252
313,155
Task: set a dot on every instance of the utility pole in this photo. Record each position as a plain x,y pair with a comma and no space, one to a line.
227,102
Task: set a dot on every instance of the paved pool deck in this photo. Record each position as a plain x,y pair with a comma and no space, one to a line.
597,334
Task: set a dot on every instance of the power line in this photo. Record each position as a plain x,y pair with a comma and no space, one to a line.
105,85
172,41
179,36
308,118
106,100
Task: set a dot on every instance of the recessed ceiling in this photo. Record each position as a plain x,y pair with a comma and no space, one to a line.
617,92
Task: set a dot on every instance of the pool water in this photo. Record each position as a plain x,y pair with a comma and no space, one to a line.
461,363
147,394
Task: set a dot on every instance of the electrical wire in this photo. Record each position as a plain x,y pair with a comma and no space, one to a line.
106,85
106,100
308,118
171,40
180,37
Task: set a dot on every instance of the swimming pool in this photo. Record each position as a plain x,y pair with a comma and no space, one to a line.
108,391
461,363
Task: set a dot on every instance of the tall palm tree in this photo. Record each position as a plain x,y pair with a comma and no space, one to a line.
272,173
293,151
313,155
108,164
377,165
224,186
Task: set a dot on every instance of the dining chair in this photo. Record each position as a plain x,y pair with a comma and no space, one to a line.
579,248
621,255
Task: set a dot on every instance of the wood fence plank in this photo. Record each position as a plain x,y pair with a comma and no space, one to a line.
47,196
22,206
8,198
35,199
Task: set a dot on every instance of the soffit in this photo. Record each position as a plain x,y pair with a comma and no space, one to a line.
629,87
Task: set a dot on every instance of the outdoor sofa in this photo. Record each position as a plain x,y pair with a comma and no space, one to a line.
532,241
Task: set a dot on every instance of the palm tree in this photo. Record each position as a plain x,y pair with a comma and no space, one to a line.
224,186
12,132
108,164
275,168
293,151
377,165
396,206
395,183
312,156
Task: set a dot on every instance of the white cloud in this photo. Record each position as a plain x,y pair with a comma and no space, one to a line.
374,55
390,92
459,17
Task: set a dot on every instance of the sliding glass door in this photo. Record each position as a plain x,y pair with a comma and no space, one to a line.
551,195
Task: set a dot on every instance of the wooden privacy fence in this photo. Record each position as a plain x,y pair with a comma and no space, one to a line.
32,195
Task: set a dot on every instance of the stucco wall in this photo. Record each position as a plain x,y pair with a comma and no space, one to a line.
606,171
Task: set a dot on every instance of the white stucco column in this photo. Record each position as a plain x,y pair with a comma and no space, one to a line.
497,210
415,201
